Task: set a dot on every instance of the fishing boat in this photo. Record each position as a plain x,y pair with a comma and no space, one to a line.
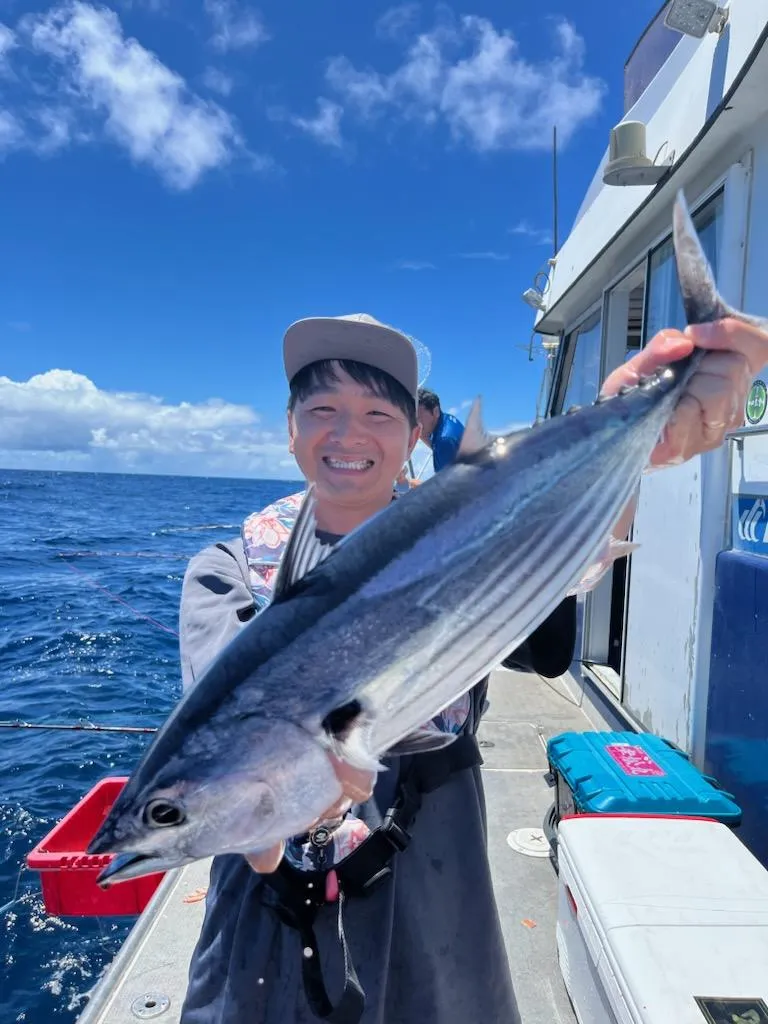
675,639
673,643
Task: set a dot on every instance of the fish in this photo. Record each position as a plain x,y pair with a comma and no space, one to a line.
368,639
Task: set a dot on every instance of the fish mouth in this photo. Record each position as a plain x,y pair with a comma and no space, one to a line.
125,866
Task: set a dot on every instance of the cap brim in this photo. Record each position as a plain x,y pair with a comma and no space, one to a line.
316,338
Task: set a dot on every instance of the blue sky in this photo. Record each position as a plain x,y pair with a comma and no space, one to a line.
181,179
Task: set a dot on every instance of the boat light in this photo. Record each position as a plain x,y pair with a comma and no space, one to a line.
695,17
533,298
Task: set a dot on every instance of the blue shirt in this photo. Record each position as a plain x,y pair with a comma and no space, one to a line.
446,438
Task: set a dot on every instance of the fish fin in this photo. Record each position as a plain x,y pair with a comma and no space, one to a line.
422,743
613,550
702,301
348,731
475,438
303,551
354,750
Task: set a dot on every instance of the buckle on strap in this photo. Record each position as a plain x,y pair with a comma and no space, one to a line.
393,832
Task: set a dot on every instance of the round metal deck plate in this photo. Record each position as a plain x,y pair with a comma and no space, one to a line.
529,841
150,1005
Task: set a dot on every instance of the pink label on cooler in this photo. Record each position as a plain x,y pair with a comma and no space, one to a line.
633,760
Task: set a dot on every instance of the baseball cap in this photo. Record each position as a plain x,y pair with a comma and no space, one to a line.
357,336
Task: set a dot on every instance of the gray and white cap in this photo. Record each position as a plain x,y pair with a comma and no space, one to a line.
355,336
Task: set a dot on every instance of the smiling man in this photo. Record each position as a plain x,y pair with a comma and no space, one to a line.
352,422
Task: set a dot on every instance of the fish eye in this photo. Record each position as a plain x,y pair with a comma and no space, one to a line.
163,814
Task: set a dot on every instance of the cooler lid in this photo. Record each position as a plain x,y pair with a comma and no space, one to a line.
668,872
662,972
625,772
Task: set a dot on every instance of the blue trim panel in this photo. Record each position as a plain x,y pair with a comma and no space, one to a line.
736,749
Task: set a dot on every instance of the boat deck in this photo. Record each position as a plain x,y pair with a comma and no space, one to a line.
147,979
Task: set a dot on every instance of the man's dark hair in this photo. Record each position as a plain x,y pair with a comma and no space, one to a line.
323,374
428,399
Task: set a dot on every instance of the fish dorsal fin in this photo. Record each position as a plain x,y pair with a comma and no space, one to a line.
474,438
303,551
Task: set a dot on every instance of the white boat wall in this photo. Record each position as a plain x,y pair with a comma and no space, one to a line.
676,638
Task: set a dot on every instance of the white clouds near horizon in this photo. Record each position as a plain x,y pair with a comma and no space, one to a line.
61,419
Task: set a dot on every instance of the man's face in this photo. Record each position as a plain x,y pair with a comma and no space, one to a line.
350,442
427,420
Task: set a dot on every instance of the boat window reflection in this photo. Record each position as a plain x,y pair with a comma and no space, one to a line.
665,304
581,367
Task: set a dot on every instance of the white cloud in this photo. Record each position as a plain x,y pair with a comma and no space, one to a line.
488,255
234,28
11,131
414,265
84,81
218,81
61,418
473,78
7,40
148,108
325,126
397,20
539,236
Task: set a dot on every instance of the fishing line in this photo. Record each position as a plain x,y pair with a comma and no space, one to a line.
18,899
120,554
77,727
116,597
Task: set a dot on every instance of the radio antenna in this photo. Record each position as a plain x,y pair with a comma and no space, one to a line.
554,189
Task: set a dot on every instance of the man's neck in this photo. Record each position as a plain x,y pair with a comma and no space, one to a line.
343,519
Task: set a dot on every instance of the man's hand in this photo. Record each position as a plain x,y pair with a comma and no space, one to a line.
713,402
357,787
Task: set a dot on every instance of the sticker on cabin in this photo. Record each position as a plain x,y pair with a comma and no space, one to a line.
757,402
750,526
733,1011
633,760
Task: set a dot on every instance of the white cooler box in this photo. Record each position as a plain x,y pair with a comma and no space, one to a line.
661,920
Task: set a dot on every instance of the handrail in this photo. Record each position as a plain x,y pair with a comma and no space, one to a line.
742,432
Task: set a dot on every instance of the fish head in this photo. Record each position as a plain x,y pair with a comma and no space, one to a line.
264,786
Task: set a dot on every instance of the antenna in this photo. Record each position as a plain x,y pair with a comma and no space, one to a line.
554,189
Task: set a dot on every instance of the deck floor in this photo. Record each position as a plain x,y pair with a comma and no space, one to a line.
524,711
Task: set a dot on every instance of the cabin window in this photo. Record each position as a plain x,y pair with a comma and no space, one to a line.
650,53
580,374
664,302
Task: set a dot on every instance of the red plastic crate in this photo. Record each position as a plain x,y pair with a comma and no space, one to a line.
68,874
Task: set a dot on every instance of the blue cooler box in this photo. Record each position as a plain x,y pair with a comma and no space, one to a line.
630,773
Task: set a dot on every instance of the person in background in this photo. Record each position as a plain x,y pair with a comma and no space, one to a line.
440,431
426,942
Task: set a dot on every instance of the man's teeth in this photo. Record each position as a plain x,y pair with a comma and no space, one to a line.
349,463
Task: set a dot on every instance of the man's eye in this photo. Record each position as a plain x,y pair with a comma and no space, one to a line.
379,412
322,408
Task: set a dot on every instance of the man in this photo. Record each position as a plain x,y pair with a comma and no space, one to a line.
440,431
426,943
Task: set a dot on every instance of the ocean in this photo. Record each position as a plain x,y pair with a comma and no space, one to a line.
91,567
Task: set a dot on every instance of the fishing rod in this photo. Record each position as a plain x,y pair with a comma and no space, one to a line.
77,727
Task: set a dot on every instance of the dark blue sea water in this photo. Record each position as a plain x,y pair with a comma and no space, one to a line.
69,651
